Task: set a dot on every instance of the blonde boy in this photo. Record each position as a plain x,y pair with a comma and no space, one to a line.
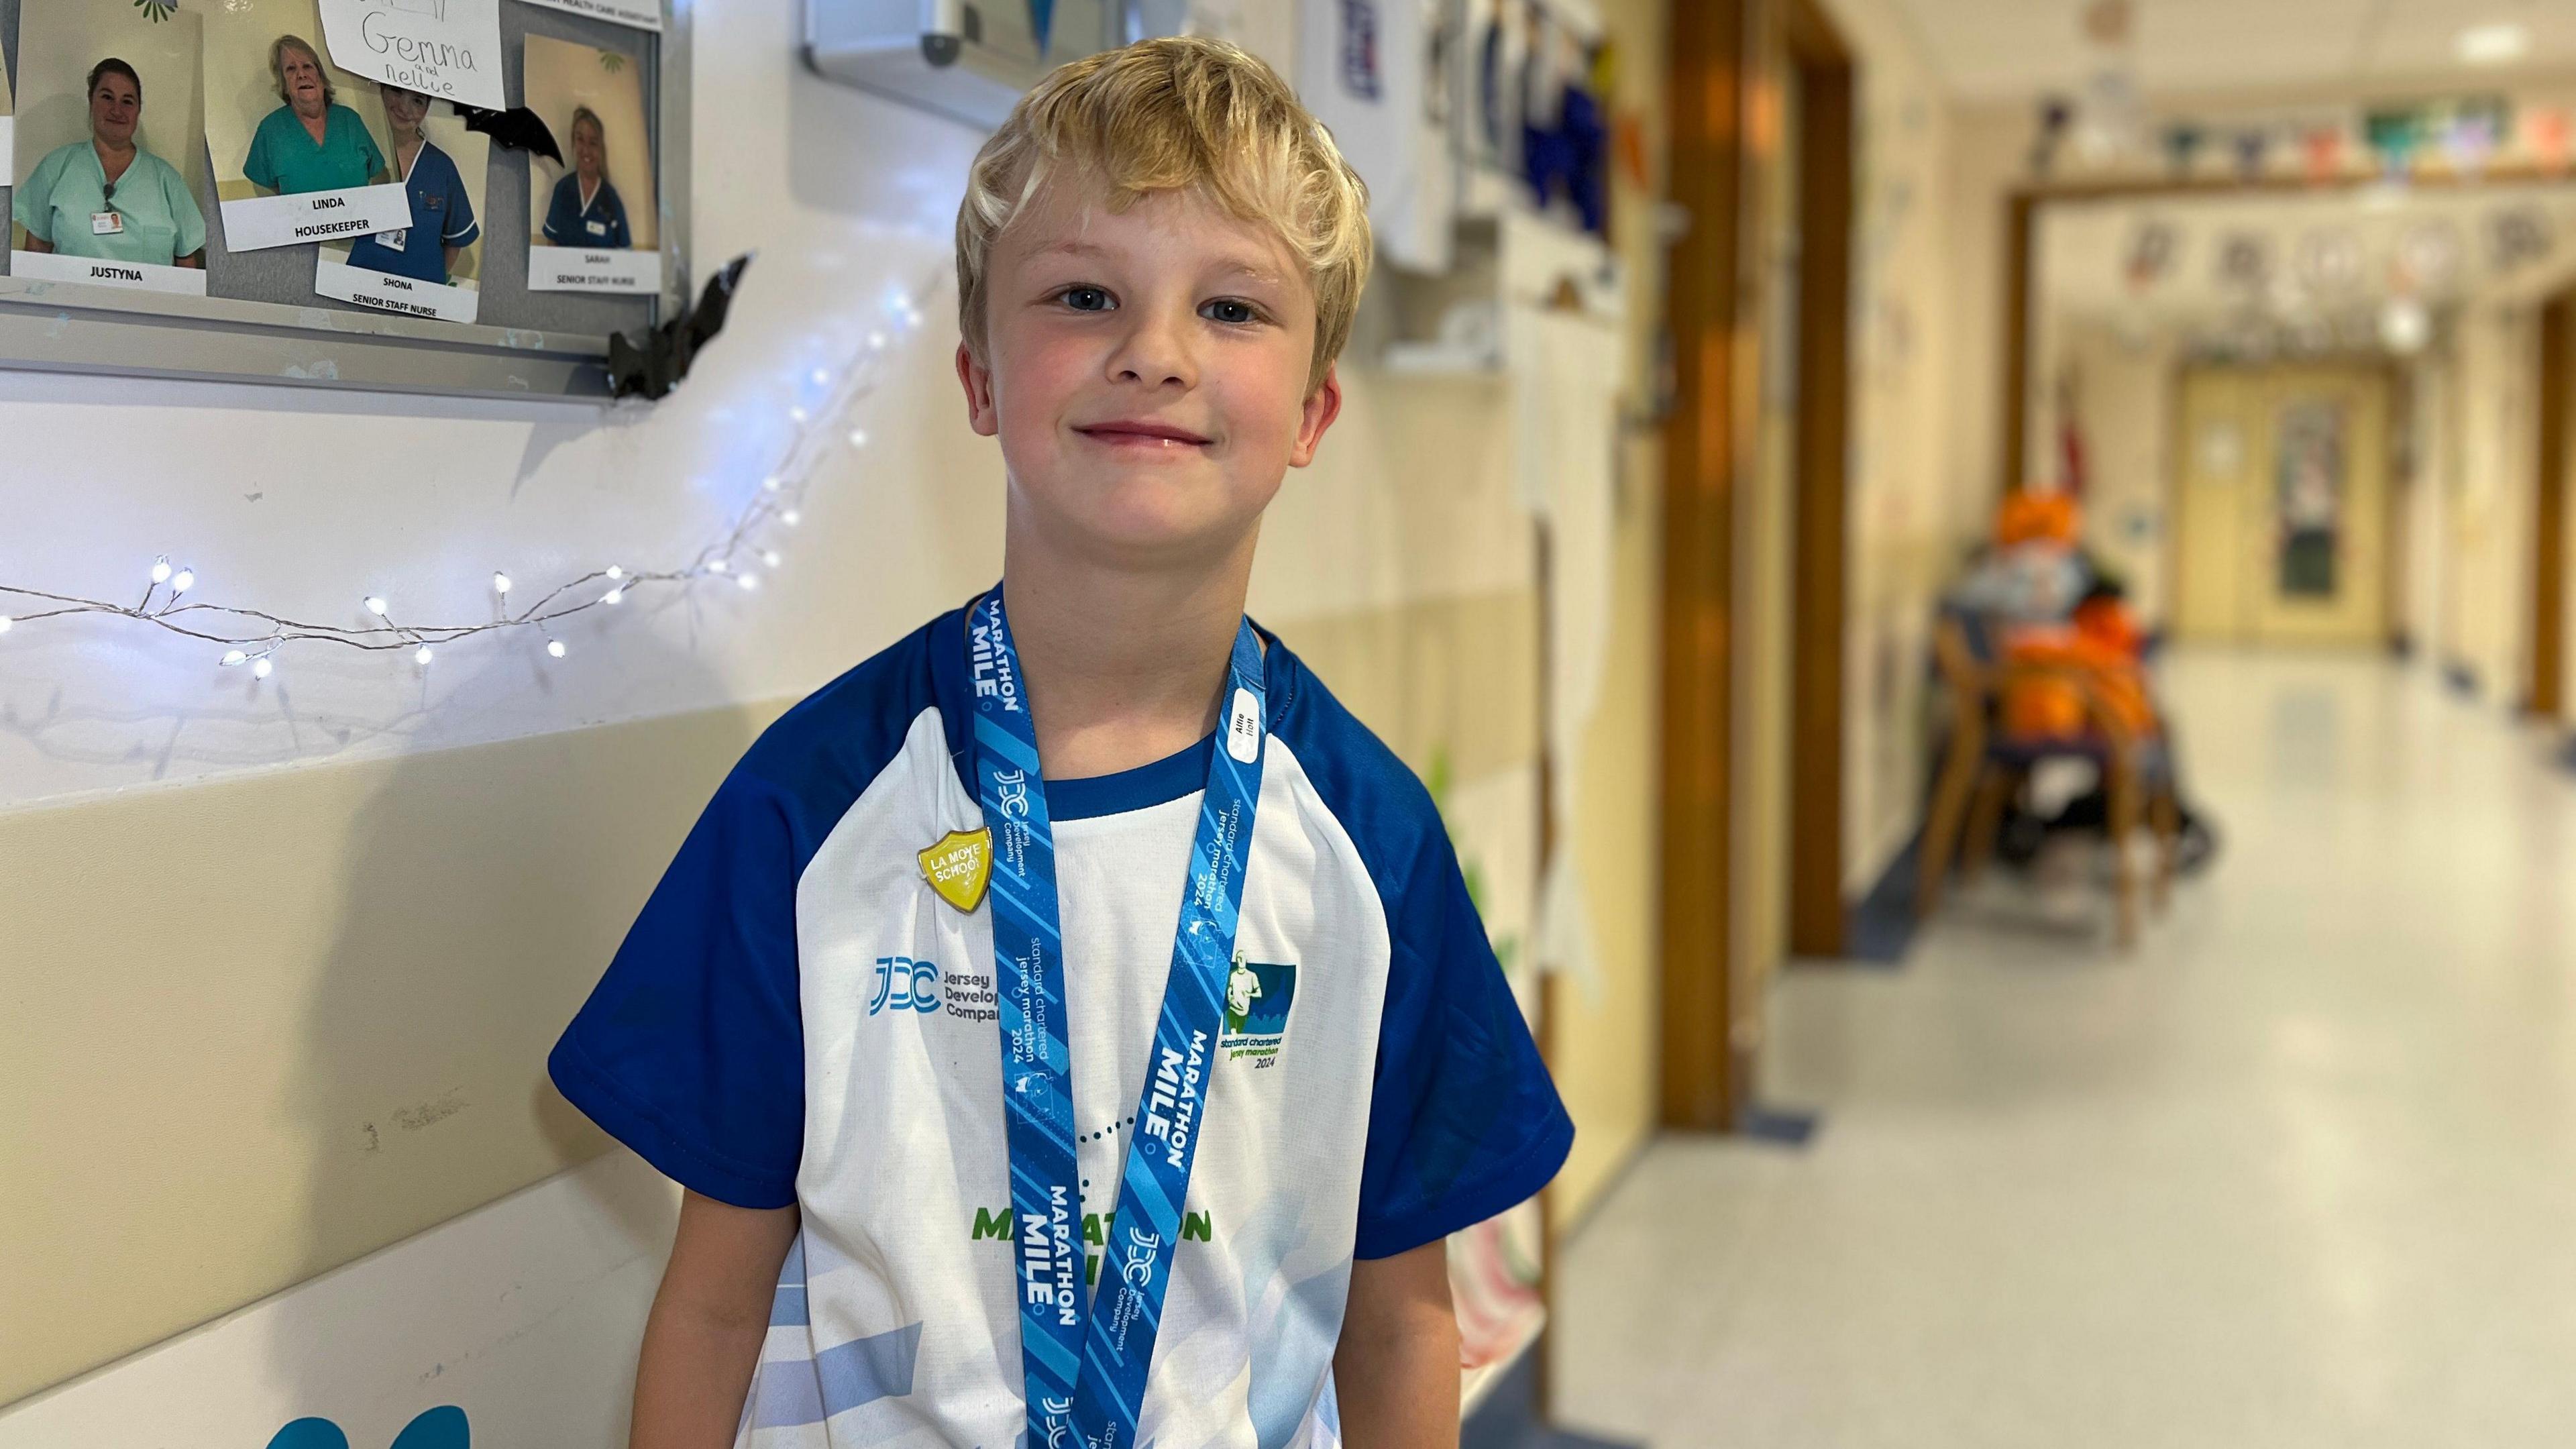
862,1060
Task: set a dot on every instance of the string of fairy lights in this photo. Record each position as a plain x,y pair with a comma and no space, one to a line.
242,637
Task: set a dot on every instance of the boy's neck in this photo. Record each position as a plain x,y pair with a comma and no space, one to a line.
1122,666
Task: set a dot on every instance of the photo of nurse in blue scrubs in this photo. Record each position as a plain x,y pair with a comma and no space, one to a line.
107,197
443,224
586,211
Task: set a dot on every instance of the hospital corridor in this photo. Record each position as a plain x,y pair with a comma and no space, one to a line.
2297,1172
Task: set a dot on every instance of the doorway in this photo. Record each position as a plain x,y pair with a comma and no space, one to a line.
2283,516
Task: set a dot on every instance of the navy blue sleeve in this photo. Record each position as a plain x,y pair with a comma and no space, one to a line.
1464,1122
691,1049
563,212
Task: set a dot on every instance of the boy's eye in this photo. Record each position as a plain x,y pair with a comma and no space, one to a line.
1087,299
1231,311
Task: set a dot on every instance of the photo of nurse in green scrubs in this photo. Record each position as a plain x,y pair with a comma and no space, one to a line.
109,183
310,143
107,197
298,146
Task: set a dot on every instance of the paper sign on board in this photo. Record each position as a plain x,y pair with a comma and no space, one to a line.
448,50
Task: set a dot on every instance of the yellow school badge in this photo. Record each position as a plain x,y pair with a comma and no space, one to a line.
960,866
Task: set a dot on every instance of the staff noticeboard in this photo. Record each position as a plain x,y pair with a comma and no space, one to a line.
251,192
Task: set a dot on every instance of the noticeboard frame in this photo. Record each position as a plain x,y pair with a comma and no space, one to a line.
68,327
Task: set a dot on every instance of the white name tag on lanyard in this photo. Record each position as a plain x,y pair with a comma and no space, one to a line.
106,223
599,228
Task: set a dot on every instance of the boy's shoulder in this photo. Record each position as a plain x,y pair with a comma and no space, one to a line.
829,747
1374,795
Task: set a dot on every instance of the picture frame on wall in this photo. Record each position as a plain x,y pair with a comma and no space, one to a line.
102,194
297,143
592,224
372,304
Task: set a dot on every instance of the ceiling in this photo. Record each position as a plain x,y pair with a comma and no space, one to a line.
2005,49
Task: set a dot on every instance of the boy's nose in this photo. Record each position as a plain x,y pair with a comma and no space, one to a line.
1155,350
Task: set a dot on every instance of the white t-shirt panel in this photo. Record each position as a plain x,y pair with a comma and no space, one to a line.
906,1150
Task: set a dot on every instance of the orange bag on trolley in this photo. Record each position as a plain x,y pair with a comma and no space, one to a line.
2097,650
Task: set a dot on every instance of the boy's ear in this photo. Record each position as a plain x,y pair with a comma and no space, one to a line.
1322,406
978,381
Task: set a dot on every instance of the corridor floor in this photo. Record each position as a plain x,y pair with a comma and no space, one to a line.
2301,1170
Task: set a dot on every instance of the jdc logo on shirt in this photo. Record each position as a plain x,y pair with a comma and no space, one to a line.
905,985
1258,995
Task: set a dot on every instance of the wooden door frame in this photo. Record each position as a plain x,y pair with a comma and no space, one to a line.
1711,315
1819,596
1718,96
2549,506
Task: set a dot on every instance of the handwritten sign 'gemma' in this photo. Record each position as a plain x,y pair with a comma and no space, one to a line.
448,50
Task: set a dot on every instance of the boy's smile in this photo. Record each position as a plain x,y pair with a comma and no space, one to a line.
1146,372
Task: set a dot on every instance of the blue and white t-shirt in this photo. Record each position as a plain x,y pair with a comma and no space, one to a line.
797,1018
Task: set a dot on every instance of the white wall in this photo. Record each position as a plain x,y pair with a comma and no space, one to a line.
300,503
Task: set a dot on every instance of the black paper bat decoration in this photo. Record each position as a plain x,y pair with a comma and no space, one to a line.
518,128
651,368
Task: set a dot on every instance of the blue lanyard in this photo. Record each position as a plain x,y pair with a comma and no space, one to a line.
1087,1388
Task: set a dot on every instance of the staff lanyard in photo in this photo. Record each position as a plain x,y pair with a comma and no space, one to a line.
110,222
1085,1371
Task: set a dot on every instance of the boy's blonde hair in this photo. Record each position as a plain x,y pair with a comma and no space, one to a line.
1182,113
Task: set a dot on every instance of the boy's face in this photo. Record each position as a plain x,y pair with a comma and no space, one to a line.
1145,373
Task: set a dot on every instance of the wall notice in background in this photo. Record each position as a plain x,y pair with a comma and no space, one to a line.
448,50
642,14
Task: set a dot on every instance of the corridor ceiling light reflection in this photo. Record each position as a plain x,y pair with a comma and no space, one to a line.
2404,326
2498,44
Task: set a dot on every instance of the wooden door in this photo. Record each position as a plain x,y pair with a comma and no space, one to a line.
2284,533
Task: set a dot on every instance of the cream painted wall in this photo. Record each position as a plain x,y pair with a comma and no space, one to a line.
1604,1028
2124,394
299,947
2495,352
1910,280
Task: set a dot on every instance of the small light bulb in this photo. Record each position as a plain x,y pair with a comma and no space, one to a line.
615,572
769,557
5,623
161,569
233,657
821,377
259,667
613,596
769,484
796,415
555,648
749,582
500,583
185,580
791,518
858,437
421,655
376,605
718,566
876,342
